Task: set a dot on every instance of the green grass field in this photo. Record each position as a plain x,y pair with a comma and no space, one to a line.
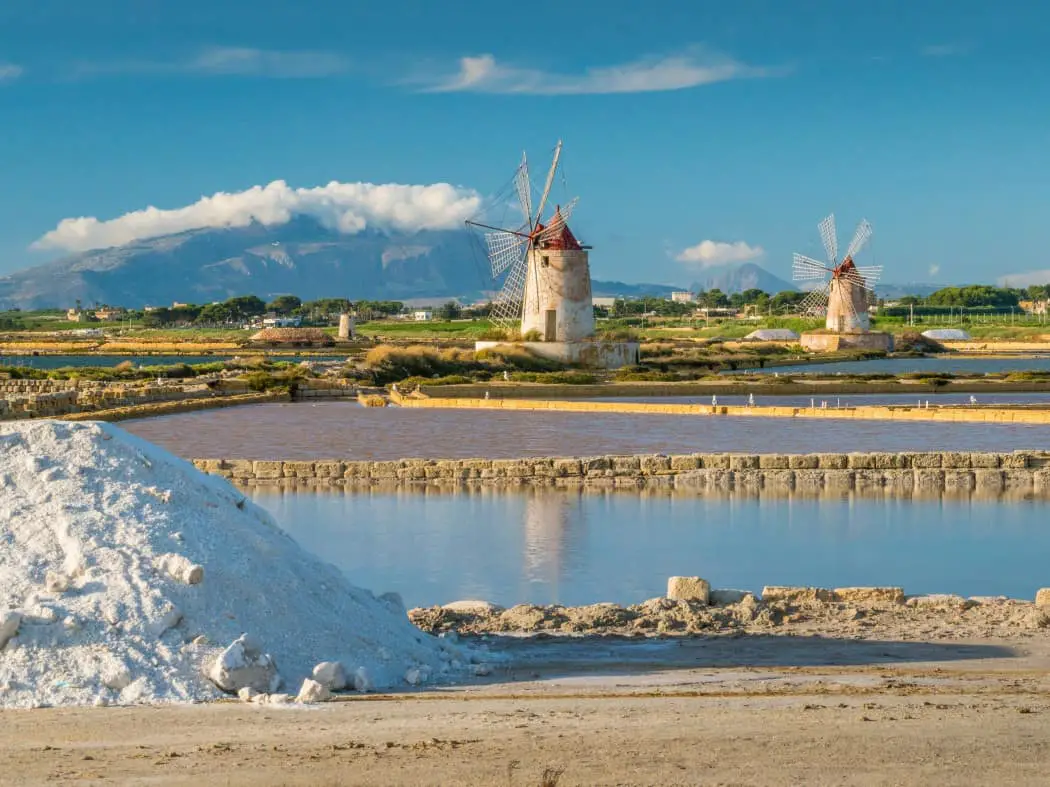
436,329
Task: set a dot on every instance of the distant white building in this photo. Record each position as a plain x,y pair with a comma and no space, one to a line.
604,302
681,296
423,315
282,322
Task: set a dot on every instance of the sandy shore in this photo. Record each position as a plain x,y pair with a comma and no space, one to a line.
949,691
749,710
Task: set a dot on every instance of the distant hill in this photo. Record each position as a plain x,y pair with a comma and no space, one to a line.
618,289
300,257
737,278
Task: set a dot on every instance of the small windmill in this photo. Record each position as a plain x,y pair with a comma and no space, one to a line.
508,248
843,296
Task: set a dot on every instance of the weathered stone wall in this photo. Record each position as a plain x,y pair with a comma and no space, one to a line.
54,401
1021,472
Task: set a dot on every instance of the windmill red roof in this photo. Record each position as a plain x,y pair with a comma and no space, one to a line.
557,234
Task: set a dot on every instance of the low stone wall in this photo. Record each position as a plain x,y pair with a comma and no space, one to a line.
57,401
150,409
1022,472
865,413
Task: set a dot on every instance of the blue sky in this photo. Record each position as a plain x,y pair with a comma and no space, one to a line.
741,123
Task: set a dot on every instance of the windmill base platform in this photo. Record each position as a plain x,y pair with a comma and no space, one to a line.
830,342
591,354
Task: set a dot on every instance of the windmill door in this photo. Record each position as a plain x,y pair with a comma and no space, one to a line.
550,325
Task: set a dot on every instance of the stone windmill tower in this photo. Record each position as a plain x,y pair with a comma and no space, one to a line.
544,279
845,296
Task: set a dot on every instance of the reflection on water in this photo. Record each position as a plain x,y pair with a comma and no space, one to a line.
580,547
946,363
345,430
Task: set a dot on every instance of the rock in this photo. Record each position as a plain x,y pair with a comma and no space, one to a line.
248,694
362,680
278,699
10,620
1042,599
473,606
939,600
724,597
481,670
416,675
887,595
795,595
179,568
312,691
689,589
169,619
331,675
55,582
243,664
117,678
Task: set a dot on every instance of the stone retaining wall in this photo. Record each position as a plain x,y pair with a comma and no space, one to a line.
867,413
1022,472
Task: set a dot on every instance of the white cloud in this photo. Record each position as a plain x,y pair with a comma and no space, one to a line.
230,61
9,72
708,253
934,270
483,74
345,207
1024,279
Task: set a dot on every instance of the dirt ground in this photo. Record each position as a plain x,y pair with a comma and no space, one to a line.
752,709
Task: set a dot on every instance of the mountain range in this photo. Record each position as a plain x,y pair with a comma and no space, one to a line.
300,257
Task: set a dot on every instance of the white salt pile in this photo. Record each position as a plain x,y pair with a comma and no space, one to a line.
128,576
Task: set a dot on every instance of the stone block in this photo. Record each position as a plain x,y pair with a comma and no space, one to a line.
691,479
795,595
955,460
416,473
240,468
329,469
357,469
542,467
1042,597
1041,481
1014,461
718,480
688,589
625,465
898,482
833,461
298,469
774,461
595,463
567,468
888,461
876,595
714,461
267,469
383,470
743,462
655,465
684,463
860,461
984,460
925,460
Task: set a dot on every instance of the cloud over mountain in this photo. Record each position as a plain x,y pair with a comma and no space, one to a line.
347,208
712,252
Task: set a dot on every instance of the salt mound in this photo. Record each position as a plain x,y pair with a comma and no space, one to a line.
772,335
947,335
125,573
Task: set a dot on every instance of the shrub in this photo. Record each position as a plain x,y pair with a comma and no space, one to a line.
561,378
532,335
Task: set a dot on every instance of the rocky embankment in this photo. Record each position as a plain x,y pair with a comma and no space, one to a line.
851,613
